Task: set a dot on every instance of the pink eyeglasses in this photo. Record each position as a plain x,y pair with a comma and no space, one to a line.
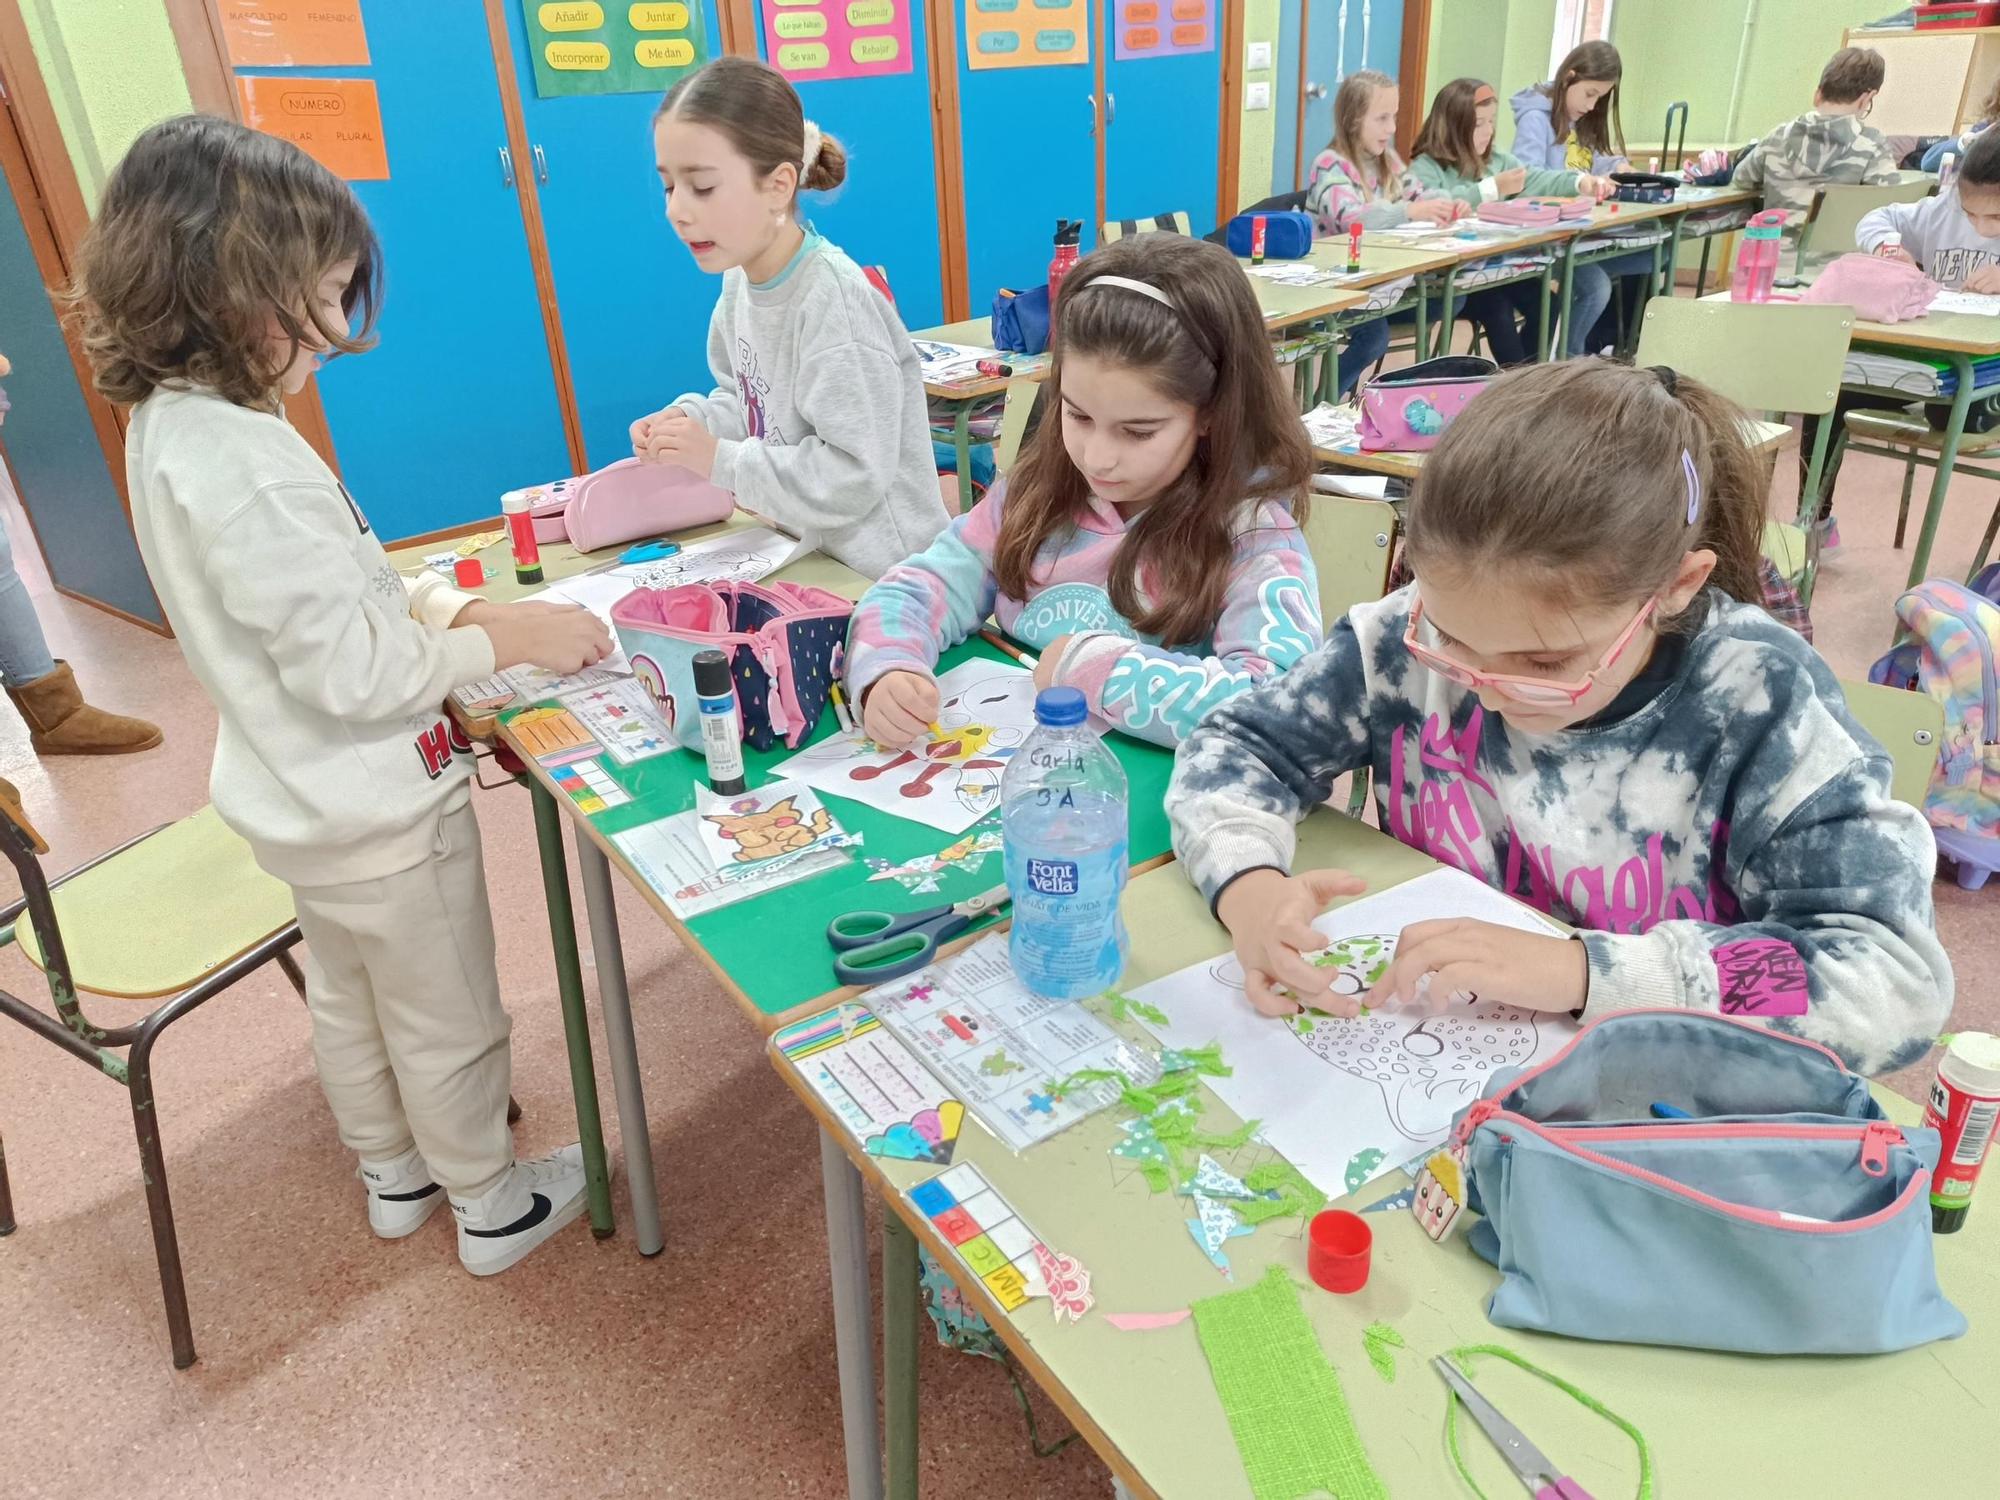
1522,689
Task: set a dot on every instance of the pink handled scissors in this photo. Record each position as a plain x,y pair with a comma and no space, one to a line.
1530,1465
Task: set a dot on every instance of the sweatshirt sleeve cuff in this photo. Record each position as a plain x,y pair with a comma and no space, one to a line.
1223,851
1631,973
471,654
1488,190
723,472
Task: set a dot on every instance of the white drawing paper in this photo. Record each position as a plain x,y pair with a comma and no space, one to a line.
763,823
623,718
670,857
999,1048
947,364
986,711
1331,1091
744,556
1966,302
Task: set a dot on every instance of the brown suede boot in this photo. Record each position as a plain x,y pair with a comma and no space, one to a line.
61,723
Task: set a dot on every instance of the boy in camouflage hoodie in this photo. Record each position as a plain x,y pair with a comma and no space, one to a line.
1827,144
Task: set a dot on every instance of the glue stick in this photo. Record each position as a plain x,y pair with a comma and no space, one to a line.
1353,248
521,532
721,735
1964,1104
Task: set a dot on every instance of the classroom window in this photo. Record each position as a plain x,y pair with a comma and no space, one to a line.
1578,21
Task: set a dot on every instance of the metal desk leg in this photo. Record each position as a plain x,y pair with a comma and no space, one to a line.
1701,273
1446,322
601,907
1569,292
576,1024
853,1339
1920,559
961,440
1423,316
1542,340
899,1354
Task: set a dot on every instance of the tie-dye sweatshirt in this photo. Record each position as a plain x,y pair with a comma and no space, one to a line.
1341,195
1728,844
1270,616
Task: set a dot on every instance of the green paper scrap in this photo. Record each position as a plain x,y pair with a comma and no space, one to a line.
1360,1166
1380,1340
1296,1194
1285,1406
1124,1005
1207,1060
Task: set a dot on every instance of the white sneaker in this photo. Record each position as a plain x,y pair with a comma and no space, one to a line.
524,1208
401,1194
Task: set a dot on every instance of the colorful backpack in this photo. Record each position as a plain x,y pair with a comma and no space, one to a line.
1954,639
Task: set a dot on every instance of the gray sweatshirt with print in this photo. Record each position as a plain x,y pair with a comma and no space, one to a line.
1730,845
1935,232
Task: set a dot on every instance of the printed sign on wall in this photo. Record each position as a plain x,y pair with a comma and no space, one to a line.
302,34
809,40
335,121
1026,33
1162,28
587,47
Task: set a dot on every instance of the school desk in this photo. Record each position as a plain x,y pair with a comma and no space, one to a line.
1607,217
1960,338
1145,1402
1710,212
1764,438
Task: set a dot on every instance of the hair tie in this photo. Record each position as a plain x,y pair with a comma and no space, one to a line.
1667,378
810,152
1126,283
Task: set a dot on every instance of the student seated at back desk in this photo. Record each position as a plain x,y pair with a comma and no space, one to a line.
1829,143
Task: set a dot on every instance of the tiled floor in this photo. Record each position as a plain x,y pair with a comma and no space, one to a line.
334,1364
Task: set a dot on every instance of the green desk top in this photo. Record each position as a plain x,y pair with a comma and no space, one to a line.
1719,1425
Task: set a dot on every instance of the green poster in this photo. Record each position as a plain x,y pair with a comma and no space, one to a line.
584,47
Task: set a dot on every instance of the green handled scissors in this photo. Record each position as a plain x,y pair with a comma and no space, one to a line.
872,947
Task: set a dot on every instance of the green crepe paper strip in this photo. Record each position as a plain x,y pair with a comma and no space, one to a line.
1380,1341
1465,1356
1206,1060
1124,1005
1296,1195
1285,1406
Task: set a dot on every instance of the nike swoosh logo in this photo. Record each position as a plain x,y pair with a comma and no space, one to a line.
541,1210
422,1192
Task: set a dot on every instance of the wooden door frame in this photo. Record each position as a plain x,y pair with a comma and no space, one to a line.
1299,119
1411,73
42,180
1229,169
947,152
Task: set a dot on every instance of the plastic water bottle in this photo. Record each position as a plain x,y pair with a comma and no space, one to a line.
1062,811
1757,258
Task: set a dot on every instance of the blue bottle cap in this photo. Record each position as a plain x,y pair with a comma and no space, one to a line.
1060,707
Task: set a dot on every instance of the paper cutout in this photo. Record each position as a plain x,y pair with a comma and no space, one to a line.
1124,1005
929,1135
624,719
1211,1181
813,40
987,710
589,786
335,121
1440,1195
1363,1166
1390,1080
1283,1192
1285,1406
747,828
985,1233
1214,1225
1401,1198
1026,33
552,735
1068,1284
926,873
1204,1060
1138,1322
882,1095
302,34
670,857
1380,1341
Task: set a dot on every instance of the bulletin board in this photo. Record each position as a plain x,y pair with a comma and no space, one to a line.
585,47
1026,33
1161,28
810,40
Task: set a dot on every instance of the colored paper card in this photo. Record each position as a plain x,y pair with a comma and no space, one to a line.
1211,1181
1214,1225
1331,1091
765,822
670,857
589,786
1285,1406
927,872
552,735
1026,33
1138,1322
299,34
588,47
986,710
623,718
882,1094
811,40
1003,1050
1067,1282
996,1245
335,121
1161,28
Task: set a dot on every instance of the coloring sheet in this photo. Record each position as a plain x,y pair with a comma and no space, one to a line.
986,711
766,822
873,1085
1000,1049
1966,302
744,556
1346,1100
947,364
670,857
1337,428
624,718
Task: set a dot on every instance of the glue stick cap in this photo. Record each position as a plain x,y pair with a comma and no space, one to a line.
711,674
1060,707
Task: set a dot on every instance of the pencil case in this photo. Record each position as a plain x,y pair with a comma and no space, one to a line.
784,642
1644,187
1288,234
1407,412
1535,213
1785,1214
623,502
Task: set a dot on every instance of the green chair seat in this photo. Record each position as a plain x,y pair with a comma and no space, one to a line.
156,918
1785,545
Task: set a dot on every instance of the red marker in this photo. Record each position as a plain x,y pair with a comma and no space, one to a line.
994,368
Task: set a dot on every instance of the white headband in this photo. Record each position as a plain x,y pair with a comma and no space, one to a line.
811,152
1132,286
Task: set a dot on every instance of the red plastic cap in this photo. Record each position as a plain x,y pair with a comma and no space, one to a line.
470,572
1338,1248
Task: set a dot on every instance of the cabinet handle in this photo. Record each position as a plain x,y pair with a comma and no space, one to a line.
541,166
506,167
1315,90
1091,100
1110,108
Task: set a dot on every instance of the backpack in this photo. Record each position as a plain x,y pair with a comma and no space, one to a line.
1954,640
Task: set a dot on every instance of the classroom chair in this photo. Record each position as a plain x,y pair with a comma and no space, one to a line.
1909,437
1014,422
1908,725
1769,357
180,913
1837,211
1173,223
1353,546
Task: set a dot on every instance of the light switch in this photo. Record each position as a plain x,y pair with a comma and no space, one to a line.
1257,96
1258,56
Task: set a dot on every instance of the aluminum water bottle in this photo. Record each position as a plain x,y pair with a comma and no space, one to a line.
1062,811
1757,258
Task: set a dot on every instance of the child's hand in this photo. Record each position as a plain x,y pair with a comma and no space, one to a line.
1511,181
1270,917
556,637
1985,280
1434,210
1893,251
677,438
899,709
1460,960
1051,658
1599,188
642,430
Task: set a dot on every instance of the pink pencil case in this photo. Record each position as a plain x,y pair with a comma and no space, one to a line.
1535,213
1409,411
624,501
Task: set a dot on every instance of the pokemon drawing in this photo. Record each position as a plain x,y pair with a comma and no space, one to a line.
778,829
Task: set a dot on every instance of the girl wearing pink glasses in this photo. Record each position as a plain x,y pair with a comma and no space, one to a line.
1577,702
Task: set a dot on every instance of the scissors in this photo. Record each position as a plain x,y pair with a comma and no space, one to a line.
1531,1467
871,947
649,552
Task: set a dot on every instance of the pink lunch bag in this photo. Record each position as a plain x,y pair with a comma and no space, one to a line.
1407,412
1879,290
622,502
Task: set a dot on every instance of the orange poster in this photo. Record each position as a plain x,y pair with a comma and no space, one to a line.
336,121
298,34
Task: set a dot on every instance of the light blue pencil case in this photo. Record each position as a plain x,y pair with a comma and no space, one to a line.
1787,1215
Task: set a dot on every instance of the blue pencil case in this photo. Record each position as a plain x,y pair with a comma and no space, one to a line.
1785,1214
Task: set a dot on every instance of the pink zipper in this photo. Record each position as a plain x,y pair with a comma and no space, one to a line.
1875,1136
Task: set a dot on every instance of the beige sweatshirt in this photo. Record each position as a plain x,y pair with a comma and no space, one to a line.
333,756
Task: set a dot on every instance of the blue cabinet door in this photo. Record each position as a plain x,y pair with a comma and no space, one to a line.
1341,37
458,403
886,214
1030,158
634,304
1164,134
51,445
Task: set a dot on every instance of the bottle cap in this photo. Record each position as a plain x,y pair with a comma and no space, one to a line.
1060,707
514,502
711,674
1973,1062
1338,1249
1947,1220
